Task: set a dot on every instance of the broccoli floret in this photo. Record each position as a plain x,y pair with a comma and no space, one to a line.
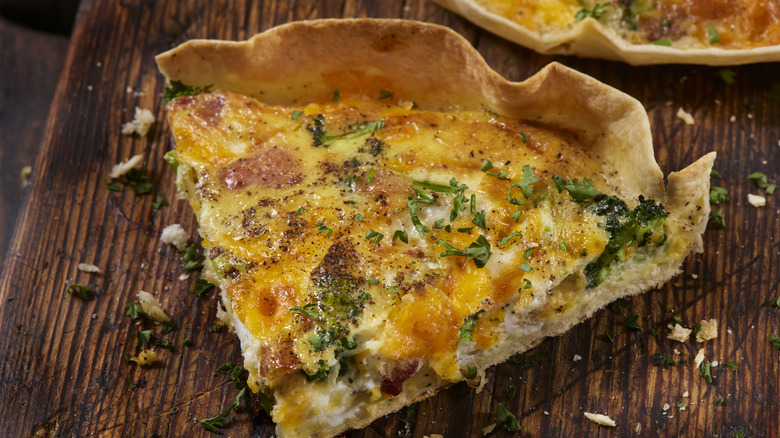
628,230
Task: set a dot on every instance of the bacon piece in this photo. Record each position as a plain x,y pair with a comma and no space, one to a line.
393,383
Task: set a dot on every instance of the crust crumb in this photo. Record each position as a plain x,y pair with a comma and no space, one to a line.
600,419
756,200
709,330
685,116
141,123
679,333
125,166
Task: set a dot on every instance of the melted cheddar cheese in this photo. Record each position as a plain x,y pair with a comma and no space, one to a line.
685,24
364,246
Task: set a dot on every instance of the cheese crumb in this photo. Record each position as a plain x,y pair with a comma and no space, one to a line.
666,407
685,394
756,201
577,357
600,419
709,330
174,235
145,358
733,119
488,429
141,123
685,116
714,363
152,307
679,333
698,359
86,267
125,166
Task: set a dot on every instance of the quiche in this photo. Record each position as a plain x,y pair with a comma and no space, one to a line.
387,216
640,32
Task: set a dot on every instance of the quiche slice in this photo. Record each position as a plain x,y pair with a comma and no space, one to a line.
387,216
639,32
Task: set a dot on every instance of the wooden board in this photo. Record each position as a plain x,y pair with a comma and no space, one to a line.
61,358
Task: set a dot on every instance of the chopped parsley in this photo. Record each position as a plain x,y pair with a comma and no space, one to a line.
323,229
144,338
401,234
665,41
503,175
320,137
486,165
479,251
761,181
372,281
371,234
727,74
717,219
527,284
609,336
631,322
413,207
134,310
580,192
469,324
713,33
525,267
168,327
706,372
159,201
563,246
507,420
506,239
662,359
719,401
523,137
308,310
524,184
511,392
384,94
336,95
215,328
296,115
775,341
179,89
114,187
732,365
300,210
718,195
714,174
167,344
479,220
596,12
370,175
127,357
213,424
471,372
79,291
359,217
202,286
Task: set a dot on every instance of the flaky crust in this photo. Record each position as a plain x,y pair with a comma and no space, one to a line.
437,69
591,39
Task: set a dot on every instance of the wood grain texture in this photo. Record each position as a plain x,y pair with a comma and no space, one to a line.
61,366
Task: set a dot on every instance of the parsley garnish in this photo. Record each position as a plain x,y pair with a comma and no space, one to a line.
719,401
323,228
503,175
563,246
359,217
717,219
775,341
507,419
706,372
506,239
631,323
662,359
762,183
525,267
370,175
727,74
79,291
336,95
202,286
401,234
524,184
665,41
178,89
479,220
213,424
127,357
594,13
422,229
168,327
718,195
159,201
469,323
471,372
523,137
731,364
164,344
609,336
511,392
486,165
114,187
134,310
527,284
215,328
437,187
300,210
580,192
478,251
714,174
384,94
618,305
375,235
308,310
296,115
714,37
144,337
372,281
528,253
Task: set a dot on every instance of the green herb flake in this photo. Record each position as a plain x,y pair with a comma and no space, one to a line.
774,302
717,219
79,291
665,41
471,372
179,89
580,192
713,33
168,327
525,267
359,218
761,181
134,310
503,175
528,253
727,75
617,306
384,94
775,341
524,184
714,174
506,239
144,338
732,365
719,401
114,187
336,95
215,423
486,165
718,195
609,336
374,280
469,324
662,359
371,234
300,210
413,207
479,251
159,201
308,310
596,12
324,229
187,342
127,357
400,234
167,344
370,175
202,286
507,420
516,215
296,115
511,392
479,220
523,137
706,372
631,322
527,283
215,328
563,246
9,299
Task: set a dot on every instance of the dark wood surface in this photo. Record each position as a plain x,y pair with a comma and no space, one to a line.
61,366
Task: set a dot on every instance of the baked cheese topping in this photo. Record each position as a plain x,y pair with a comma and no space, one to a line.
371,245
685,24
